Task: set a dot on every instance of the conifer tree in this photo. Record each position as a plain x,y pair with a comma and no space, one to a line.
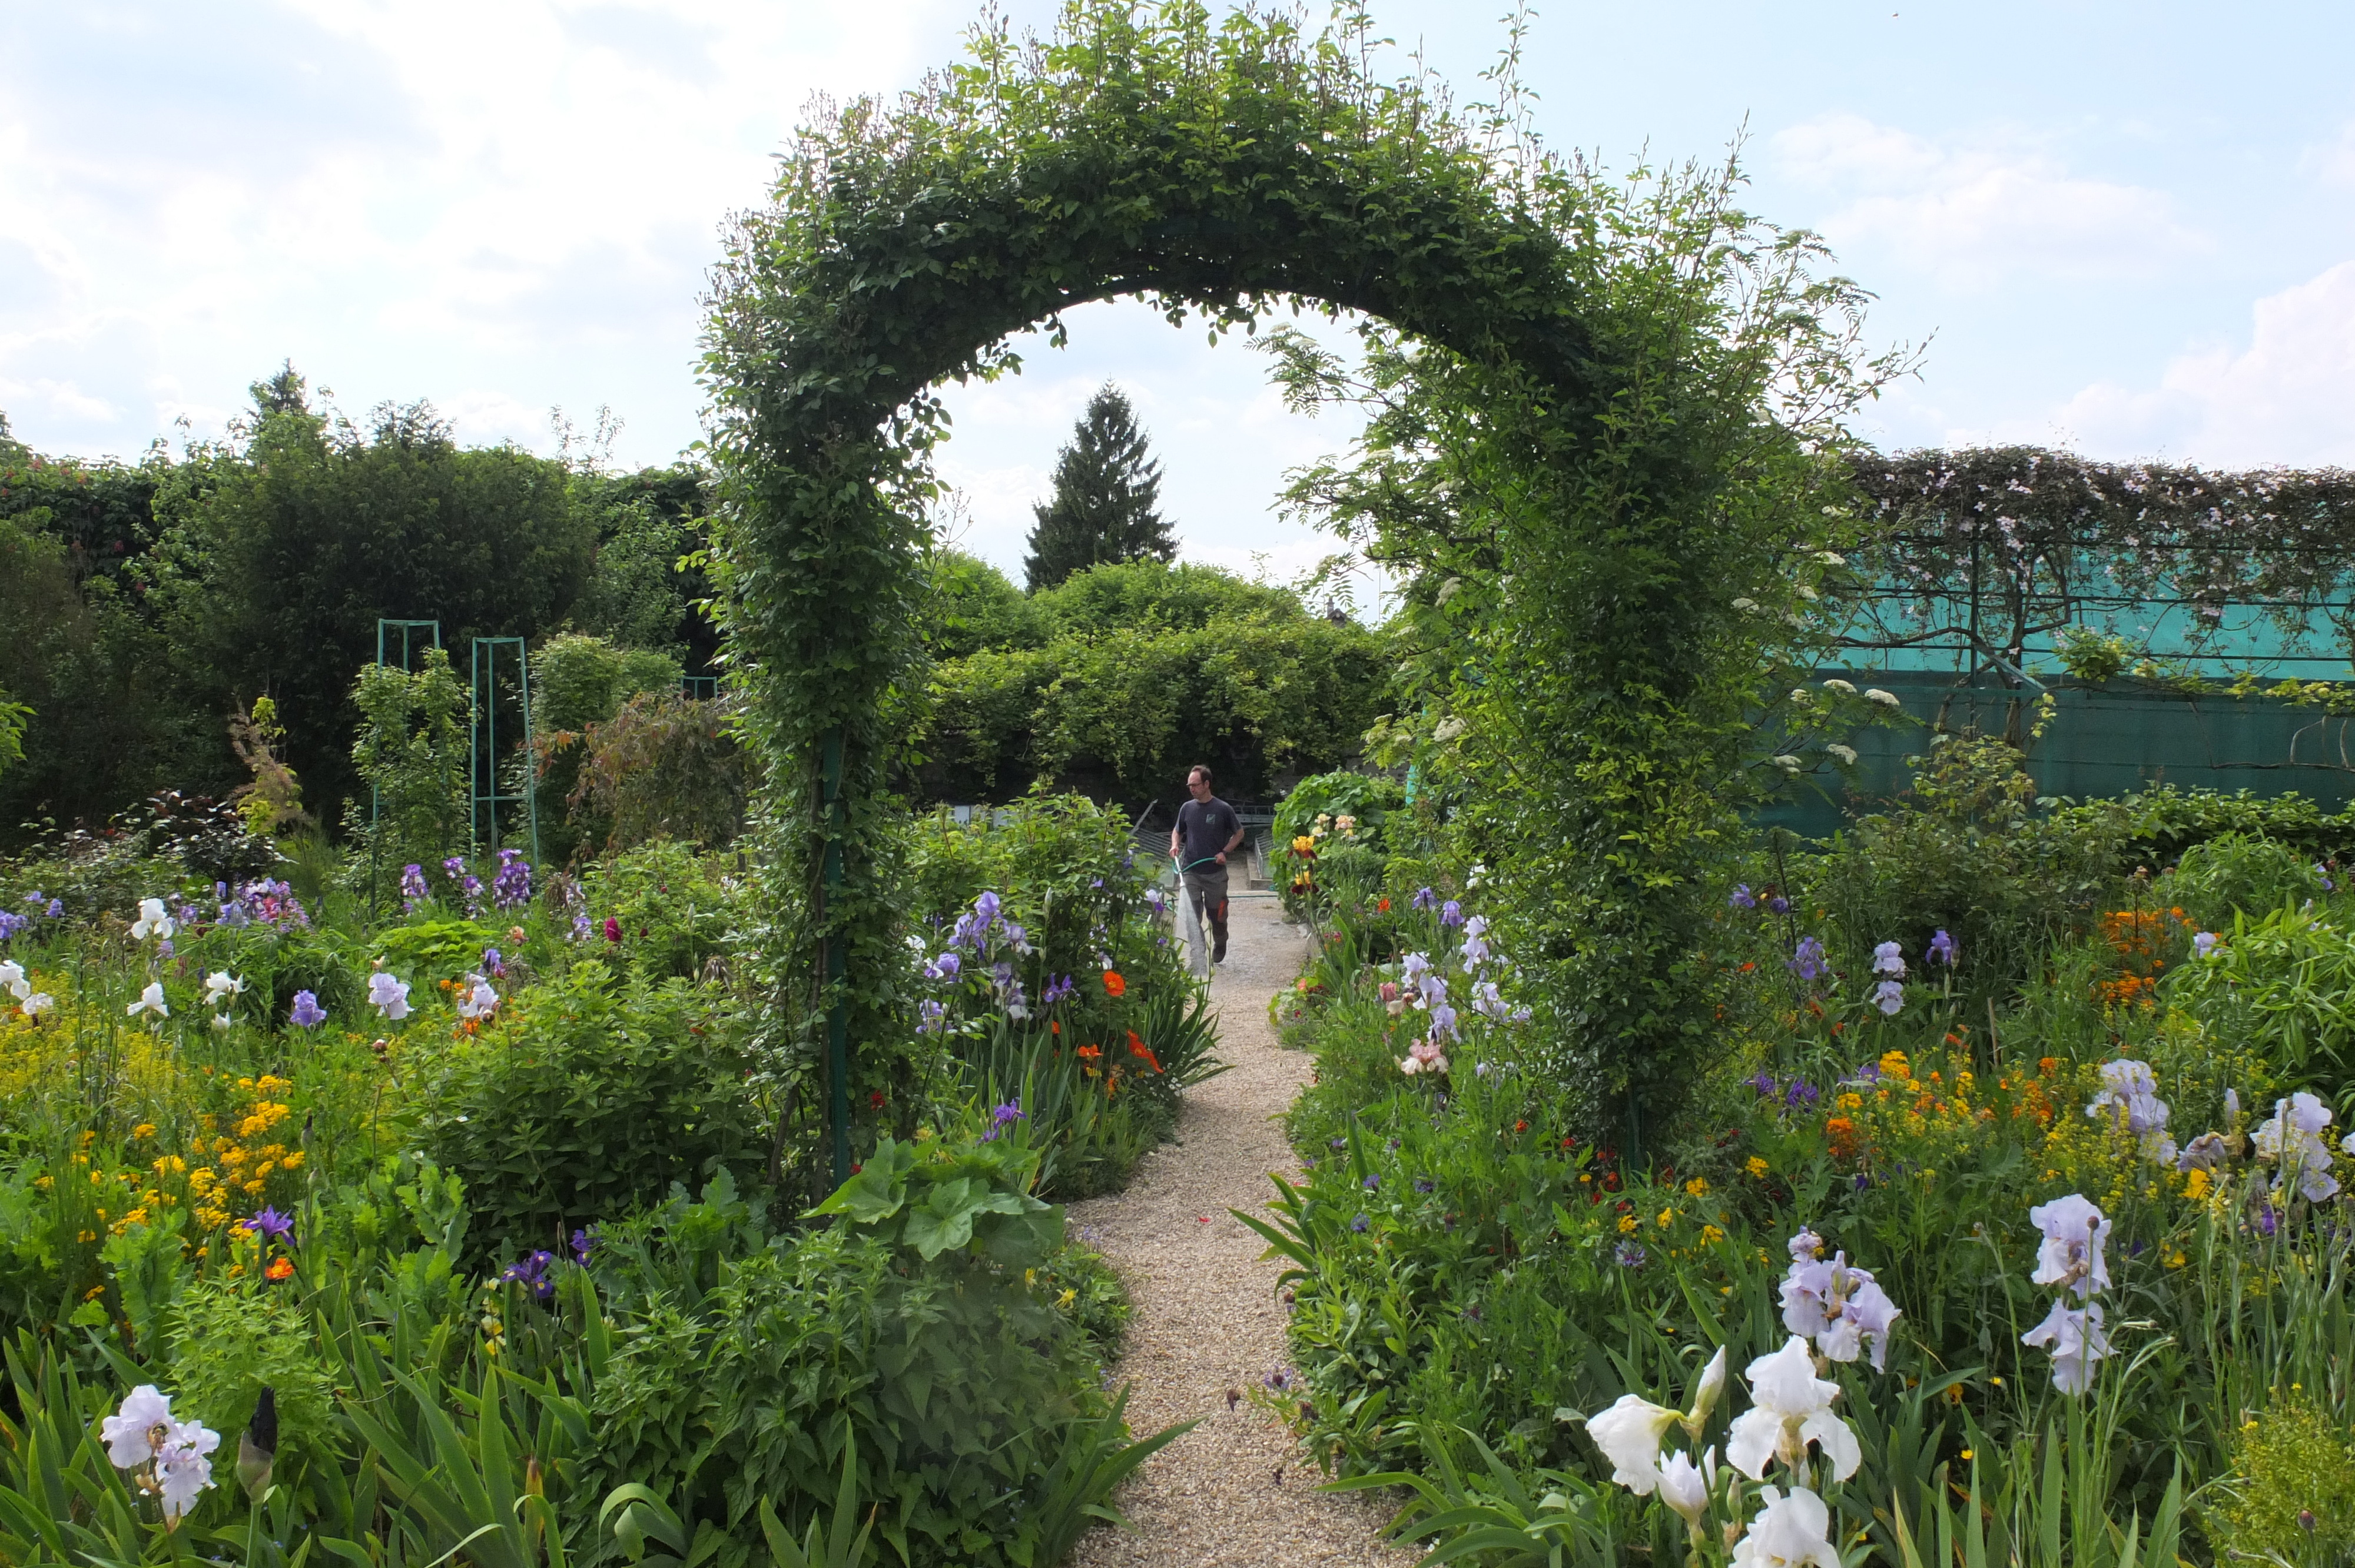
1104,507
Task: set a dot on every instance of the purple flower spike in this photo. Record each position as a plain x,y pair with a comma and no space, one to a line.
1002,1117
1764,1084
583,1241
1801,1092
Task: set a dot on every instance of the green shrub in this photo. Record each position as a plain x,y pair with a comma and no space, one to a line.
411,756
2283,986
1370,798
671,906
2238,871
919,1329
2154,828
587,1097
2291,1495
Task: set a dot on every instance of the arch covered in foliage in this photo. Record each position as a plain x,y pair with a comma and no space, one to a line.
1215,169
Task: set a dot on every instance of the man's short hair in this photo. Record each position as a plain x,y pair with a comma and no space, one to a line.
1201,768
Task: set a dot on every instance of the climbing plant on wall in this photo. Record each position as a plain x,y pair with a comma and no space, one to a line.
1220,168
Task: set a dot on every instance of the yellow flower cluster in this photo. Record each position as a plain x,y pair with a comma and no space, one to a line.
240,1174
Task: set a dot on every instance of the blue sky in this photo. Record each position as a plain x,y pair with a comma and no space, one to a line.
2127,229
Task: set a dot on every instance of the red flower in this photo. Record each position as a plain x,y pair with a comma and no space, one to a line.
875,1100
280,1269
1113,984
613,929
1091,1052
1384,907
1137,1048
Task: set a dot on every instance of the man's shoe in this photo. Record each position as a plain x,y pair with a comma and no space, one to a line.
1219,954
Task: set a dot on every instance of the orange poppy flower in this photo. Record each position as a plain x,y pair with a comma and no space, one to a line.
1384,907
1091,1053
1138,1049
280,1269
1113,984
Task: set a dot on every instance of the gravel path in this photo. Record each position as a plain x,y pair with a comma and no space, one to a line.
1237,1490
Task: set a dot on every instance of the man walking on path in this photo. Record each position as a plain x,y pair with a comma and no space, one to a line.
1208,830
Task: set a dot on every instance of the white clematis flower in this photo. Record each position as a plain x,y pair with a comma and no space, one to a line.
1792,1408
2075,1231
1788,1531
2076,1340
2292,1138
130,1434
1629,1435
1685,1485
389,996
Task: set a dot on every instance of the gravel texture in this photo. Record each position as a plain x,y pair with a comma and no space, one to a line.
1237,1490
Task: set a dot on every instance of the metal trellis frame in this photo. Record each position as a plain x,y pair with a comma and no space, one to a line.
483,759
409,633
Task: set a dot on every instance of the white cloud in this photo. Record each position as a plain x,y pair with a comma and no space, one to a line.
409,197
1973,214
2288,397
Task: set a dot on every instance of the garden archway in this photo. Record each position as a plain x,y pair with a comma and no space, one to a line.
1211,168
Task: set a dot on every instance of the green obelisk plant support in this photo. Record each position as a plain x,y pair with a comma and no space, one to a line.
1631,386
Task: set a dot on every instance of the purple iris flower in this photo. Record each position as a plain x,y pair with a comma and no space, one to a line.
1807,960
455,867
1801,1092
1764,1084
1423,1184
308,1012
1002,1117
1943,948
1370,1183
1779,904
583,1241
493,965
56,909
1742,897
943,968
1426,899
1361,1224
413,888
269,1223
532,1275
511,888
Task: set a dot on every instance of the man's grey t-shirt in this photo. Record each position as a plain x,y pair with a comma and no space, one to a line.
1204,828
